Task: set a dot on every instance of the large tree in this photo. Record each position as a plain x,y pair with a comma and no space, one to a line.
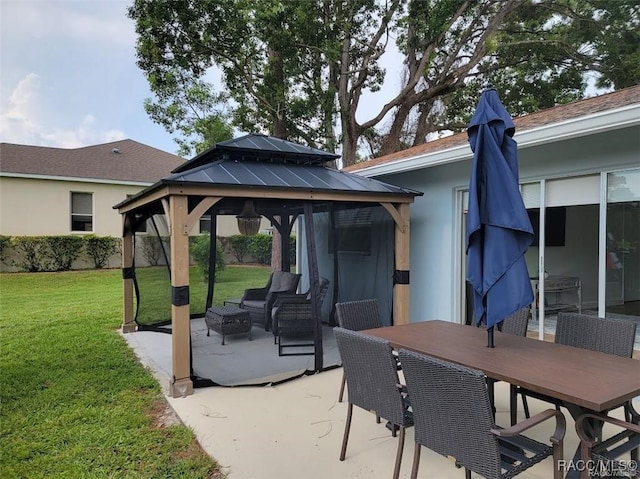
305,69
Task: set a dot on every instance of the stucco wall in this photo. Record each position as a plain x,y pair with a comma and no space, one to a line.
35,207
31,207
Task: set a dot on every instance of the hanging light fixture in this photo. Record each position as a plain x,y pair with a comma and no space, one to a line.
248,220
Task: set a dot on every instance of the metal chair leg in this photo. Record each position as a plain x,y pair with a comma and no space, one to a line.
344,381
347,427
416,461
396,470
525,405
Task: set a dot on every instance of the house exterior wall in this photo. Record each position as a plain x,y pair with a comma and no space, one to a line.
39,207
33,207
437,235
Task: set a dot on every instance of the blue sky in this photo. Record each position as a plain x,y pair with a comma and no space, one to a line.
68,76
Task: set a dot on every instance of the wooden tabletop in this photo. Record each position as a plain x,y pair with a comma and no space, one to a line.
585,378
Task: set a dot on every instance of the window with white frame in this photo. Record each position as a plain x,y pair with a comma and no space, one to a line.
81,211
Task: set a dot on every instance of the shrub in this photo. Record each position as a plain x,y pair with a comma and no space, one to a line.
63,250
199,249
260,248
240,245
5,243
152,249
292,248
32,253
100,248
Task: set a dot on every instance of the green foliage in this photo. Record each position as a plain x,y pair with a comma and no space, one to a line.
5,244
63,250
292,248
32,253
152,249
75,400
240,246
199,249
260,248
100,248
292,68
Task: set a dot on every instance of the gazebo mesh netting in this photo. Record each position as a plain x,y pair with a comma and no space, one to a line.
153,280
362,239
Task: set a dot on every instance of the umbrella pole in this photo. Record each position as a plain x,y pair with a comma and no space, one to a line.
490,337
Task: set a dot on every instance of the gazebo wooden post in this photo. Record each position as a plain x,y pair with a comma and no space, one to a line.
128,320
181,383
401,286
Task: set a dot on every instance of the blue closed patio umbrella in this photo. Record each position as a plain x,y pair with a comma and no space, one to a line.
499,231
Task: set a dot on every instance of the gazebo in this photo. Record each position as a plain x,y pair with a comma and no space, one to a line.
246,177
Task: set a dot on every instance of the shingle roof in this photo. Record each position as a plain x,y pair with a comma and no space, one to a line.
557,114
124,160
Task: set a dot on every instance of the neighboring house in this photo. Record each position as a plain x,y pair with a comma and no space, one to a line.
56,191
579,166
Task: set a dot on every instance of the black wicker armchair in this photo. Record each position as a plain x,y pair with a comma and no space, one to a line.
373,384
259,301
292,316
453,417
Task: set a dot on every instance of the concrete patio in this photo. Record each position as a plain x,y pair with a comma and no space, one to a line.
294,430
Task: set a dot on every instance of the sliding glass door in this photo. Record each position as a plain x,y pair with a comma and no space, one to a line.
586,256
621,265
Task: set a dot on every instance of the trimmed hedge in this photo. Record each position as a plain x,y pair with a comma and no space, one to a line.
100,248
57,253
199,249
260,247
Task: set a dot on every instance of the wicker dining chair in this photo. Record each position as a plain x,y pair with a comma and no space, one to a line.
373,384
516,324
453,417
610,336
356,316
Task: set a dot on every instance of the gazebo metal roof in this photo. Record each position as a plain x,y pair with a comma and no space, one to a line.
260,147
275,164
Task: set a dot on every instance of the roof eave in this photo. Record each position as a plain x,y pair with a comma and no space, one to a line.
600,122
76,179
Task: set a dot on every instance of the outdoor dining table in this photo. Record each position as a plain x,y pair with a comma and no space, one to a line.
585,381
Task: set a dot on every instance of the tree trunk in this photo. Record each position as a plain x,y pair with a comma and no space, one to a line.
276,248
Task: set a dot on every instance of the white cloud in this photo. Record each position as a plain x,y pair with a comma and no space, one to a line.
22,121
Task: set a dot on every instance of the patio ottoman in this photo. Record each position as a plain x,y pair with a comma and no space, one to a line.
228,320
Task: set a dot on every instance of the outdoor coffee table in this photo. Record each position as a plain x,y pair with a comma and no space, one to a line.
226,320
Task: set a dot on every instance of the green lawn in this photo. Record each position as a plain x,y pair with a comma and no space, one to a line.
75,401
